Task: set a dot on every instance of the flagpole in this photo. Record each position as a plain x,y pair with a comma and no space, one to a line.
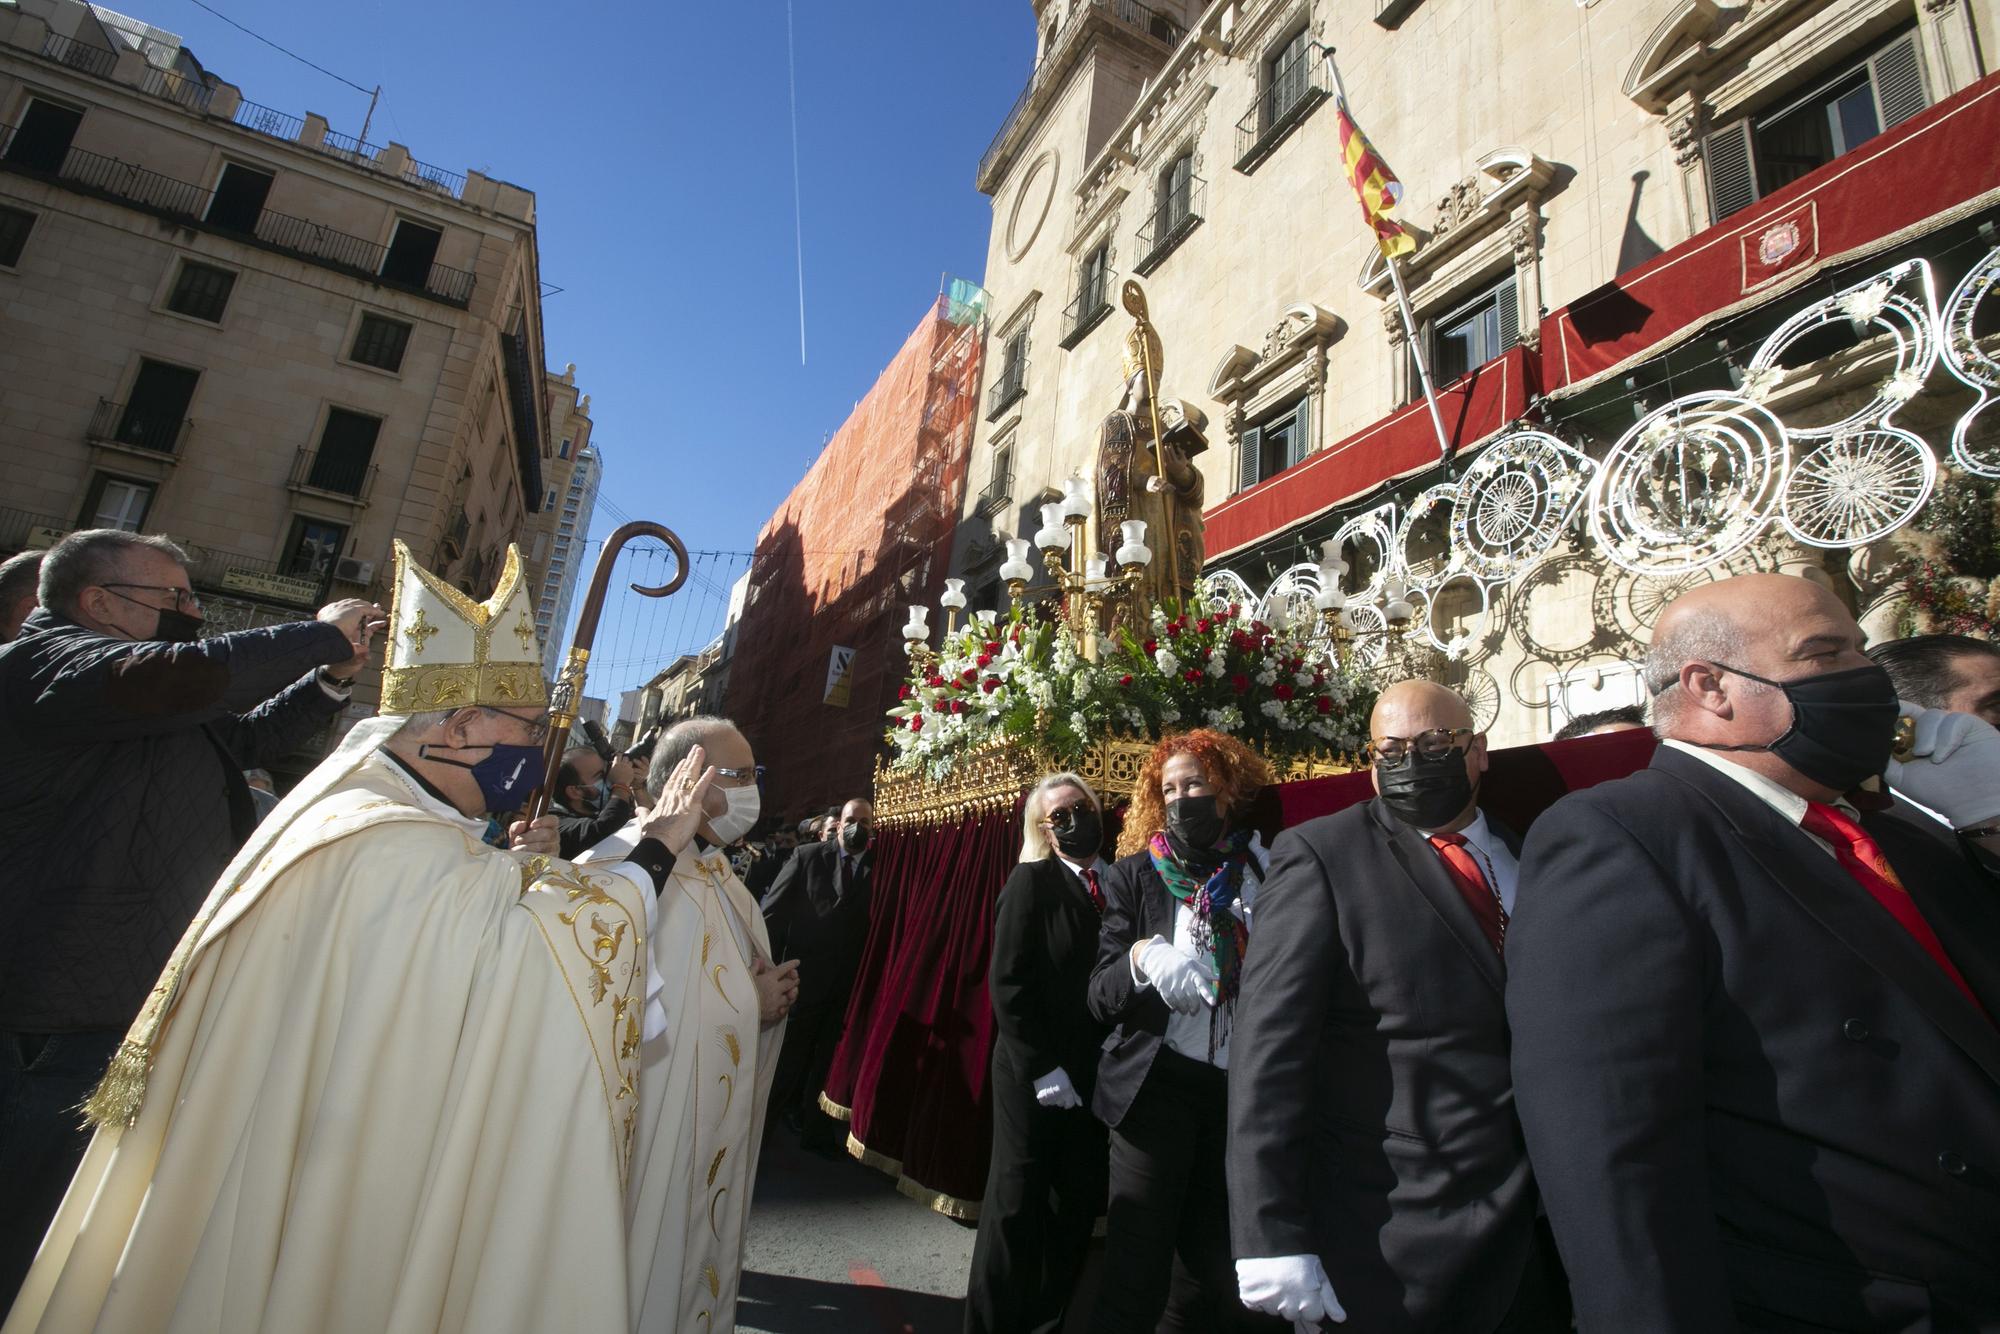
1402,300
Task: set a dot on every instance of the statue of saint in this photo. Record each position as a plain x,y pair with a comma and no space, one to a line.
1145,469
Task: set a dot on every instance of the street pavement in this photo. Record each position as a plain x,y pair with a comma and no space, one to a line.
834,1248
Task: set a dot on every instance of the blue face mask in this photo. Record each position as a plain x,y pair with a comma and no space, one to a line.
505,777
603,793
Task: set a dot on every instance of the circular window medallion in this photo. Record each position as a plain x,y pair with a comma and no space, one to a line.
1031,204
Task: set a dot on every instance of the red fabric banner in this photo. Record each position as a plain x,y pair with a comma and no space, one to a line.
1474,406
1930,163
911,1069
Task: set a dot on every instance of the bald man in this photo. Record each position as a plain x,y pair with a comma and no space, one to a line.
1754,1047
1375,1164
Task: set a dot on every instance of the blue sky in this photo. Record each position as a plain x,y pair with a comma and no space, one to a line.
657,139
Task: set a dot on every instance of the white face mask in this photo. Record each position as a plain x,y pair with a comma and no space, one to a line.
745,805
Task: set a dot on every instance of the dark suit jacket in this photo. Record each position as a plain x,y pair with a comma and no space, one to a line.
1044,943
813,920
1371,1111
1753,1102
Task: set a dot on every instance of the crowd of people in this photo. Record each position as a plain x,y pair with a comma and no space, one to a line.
1713,1047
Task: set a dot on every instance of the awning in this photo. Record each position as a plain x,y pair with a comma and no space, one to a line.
1474,406
1929,171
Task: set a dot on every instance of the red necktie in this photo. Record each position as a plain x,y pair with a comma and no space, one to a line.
1860,858
1096,893
1481,897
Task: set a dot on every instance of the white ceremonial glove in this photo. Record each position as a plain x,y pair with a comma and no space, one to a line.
1292,1287
1954,767
1054,1090
1184,983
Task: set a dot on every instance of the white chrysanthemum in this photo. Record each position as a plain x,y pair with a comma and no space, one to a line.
1218,665
1079,724
1302,678
1169,714
1272,708
1165,660
1268,675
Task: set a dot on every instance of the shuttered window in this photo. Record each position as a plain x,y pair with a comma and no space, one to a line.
1249,458
1756,155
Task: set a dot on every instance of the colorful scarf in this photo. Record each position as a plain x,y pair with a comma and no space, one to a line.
1218,932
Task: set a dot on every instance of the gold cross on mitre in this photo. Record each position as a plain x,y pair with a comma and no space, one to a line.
418,632
525,632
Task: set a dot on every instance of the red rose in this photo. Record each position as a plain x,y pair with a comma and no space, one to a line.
1176,625
1125,680
1242,641
935,682
1235,610
939,706
917,723
1282,691
958,706
1239,683
990,684
902,692
1259,629
1152,646
969,675
1191,676
986,660
1201,627
1324,704
993,646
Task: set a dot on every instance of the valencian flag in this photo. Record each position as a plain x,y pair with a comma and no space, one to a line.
1375,185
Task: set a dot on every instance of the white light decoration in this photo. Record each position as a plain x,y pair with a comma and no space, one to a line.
918,628
1052,536
1514,502
1016,567
1900,302
1427,571
1969,363
1859,487
1132,548
1292,596
1690,484
1226,588
1076,501
1096,569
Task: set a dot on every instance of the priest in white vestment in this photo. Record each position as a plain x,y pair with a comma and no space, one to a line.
388,1081
705,1078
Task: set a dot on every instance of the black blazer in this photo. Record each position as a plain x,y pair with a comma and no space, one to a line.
812,920
1044,943
1753,1102
1371,1112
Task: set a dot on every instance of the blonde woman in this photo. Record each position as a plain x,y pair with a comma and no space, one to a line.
1045,1187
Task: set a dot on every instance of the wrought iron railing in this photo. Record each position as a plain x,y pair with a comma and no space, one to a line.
134,425
1013,383
437,178
269,121
183,91
1296,87
340,473
456,529
1088,308
77,55
1131,13
20,529
133,184
229,571
998,492
1179,212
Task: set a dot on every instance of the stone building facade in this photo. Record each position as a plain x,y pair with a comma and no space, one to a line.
561,529
277,344
1549,152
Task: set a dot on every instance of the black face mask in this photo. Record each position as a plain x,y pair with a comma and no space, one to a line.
1194,825
177,627
1843,725
854,838
1426,794
1079,833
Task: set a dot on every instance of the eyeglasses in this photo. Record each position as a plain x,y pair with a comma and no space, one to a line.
1063,818
754,774
1431,745
183,598
538,729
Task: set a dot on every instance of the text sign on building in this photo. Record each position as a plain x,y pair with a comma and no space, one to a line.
44,538
840,676
281,587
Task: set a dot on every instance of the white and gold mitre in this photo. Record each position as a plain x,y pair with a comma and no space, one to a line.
446,651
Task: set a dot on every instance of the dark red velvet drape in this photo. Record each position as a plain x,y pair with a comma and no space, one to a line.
911,1071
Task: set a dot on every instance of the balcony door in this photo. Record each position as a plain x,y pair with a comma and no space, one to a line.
412,251
42,141
157,407
239,198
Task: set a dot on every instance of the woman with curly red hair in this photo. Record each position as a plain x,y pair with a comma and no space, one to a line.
1176,924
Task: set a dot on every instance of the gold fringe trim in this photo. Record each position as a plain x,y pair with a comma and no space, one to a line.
114,1103
834,1109
964,1211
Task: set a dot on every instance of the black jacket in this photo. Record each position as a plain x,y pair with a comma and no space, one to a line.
1371,1117
1753,1102
122,798
577,833
811,918
1044,945
1137,906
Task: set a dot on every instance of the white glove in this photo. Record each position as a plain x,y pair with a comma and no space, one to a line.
1293,1287
1054,1090
1184,983
1954,767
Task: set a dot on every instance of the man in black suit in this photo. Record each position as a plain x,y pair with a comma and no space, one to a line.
817,913
1375,1162
1754,1046
1045,1185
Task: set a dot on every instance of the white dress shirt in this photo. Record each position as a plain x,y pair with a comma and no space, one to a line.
1779,798
1496,863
